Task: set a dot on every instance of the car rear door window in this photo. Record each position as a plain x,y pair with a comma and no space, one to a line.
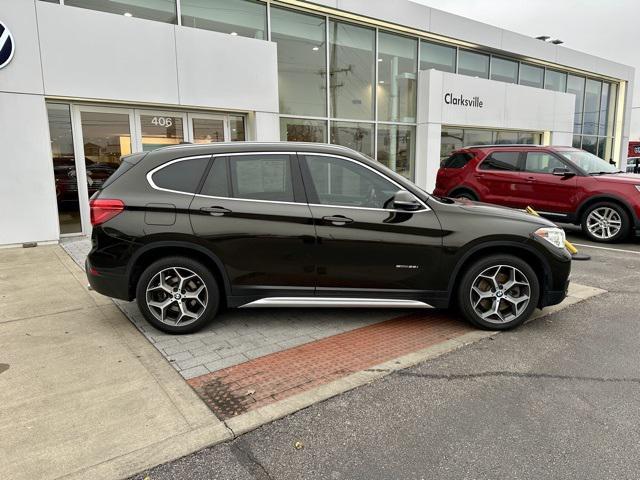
262,177
182,175
341,182
217,182
541,162
504,161
457,160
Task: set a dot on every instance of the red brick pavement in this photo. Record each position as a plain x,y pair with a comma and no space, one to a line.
253,384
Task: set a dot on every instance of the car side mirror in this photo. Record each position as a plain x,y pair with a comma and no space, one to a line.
404,200
563,172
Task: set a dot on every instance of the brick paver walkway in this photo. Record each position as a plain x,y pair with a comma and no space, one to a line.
253,384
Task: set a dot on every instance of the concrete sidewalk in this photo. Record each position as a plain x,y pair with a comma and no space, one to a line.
82,393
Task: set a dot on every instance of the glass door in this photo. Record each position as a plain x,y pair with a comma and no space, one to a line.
159,129
205,128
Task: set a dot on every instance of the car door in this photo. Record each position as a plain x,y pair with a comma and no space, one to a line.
541,189
498,176
366,247
251,212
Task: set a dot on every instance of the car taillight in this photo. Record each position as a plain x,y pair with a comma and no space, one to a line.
103,209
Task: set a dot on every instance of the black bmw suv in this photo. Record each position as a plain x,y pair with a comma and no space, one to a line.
190,229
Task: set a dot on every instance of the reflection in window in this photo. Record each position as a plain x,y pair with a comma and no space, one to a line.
590,144
357,136
575,85
504,70
506,137
303,130
451,139
473,64
396,148
455,138
531,75
160,131
478,137
505,161
236,127
541,162
556,81
247,18
208,130
158,10
592,92
440,57
64,168
301,62
265,177
397,68
352,70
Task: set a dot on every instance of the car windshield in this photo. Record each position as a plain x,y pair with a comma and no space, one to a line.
588,162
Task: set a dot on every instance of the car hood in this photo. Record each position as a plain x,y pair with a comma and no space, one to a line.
491,210
631,178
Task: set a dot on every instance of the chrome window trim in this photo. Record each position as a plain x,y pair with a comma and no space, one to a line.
182,159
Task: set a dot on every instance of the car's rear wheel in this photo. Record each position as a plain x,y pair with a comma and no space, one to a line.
498,292
606,222
178,295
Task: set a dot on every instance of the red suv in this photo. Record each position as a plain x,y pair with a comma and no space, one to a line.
562,183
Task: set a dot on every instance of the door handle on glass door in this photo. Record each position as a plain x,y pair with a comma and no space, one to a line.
215,211
338,220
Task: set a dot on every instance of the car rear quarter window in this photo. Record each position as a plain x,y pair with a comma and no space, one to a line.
457,160
181,176
262,177
503,161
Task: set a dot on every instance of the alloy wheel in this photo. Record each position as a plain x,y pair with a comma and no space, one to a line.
500,294
604,223
177,296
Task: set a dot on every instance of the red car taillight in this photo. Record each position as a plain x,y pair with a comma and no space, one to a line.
103,210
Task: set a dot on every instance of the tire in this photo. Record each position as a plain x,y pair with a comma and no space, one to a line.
616,226
178,311
476,303
464,194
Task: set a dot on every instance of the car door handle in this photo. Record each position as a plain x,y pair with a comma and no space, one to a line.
338,220
531,179
215,211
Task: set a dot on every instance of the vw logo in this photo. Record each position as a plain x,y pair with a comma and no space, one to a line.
7,46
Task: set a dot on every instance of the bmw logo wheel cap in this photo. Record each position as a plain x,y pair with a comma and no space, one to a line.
7,45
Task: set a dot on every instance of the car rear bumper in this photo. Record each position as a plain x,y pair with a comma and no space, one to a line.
108,284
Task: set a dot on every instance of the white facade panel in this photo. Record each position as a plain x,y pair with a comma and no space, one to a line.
411,14
27,190
23,74
465,29
226,72
98,55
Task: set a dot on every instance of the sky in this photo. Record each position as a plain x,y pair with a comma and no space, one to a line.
606,28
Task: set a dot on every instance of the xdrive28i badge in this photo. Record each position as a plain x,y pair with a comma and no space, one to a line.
7,45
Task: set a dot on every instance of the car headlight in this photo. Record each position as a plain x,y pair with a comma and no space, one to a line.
555,236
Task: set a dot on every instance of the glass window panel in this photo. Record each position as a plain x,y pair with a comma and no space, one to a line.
540,162
577,141
529,138
504,161
608,109
531,75
217,181
440,57
302,68
265,177
303,130
64,168
158,10
554,80
473,64
352,60
590,144
604,107
478,137
504,70
593,89
208,130
358,136
605,148
181,176
397,68
236,127
575,85
450,139
160,131
396,148
247,18
341,182
505,137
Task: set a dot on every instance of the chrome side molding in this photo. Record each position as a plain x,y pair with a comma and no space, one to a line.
304,302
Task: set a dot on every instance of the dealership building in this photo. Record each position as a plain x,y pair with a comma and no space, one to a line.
83,82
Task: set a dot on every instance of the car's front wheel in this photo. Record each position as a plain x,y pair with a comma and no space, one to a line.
498,292
178,295
606,222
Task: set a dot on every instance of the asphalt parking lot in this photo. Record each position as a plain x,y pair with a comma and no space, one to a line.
556,398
